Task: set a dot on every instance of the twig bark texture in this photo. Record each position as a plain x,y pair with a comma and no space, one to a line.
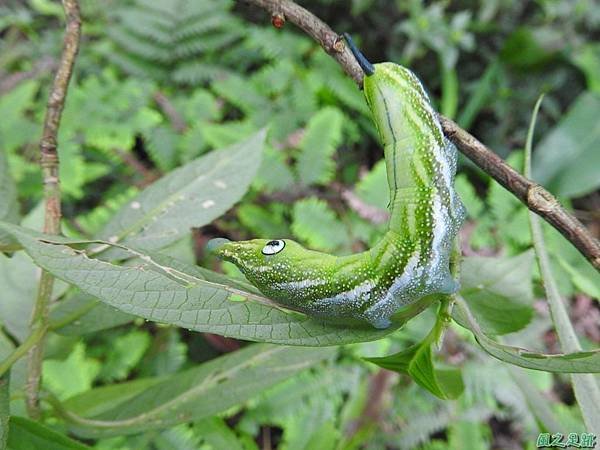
534,196
52,211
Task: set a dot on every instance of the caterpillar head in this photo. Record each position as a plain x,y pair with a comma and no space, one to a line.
265,262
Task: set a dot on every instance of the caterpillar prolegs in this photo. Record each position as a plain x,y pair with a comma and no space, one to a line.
412,260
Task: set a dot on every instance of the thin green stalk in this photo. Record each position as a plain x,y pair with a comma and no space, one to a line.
585,387
4,409
39,326
449,102
33,339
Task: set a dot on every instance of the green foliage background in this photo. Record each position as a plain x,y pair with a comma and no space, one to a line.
159,84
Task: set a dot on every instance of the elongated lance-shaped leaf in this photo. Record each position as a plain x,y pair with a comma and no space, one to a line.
98,400
26,434
499,291
567,159
190,196
577,362
201,392
4,409
185,296
9,207
585,386
537,403
81,314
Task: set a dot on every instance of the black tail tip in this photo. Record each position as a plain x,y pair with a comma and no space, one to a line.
363,62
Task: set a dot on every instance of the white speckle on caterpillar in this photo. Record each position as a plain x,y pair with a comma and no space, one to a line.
136,205
208,204
220,184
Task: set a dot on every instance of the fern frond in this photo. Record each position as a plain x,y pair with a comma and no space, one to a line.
274,174
197,72
161,145
93,221
171,34
322,136
147,26
419,429
373,187
196,45
241,93
140,46
316,224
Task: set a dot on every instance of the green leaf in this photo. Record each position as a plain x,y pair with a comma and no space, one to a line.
530,47
577,362
9,207
81,314
26,434
577,274
160,143
321,138
417,362
373,187
4,409
274,173
73,375
585,386
165,290
203,391
191,195
18,278
97,400
566,160
263,220
479,97
468,434
217,434
181,437
316,224
242,93
538,404
18,293
124,353
498,291
587,58
227,133
16,129
469,197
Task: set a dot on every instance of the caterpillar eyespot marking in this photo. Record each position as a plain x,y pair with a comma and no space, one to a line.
273,247
412,259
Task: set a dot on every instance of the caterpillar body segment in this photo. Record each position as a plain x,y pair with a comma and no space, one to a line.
411,262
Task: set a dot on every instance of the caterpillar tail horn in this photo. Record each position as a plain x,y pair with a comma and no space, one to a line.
363,62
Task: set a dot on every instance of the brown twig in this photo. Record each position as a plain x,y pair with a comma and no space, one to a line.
10,82
163,102
317,29
379,385
149,175
49,164
534,196
368,212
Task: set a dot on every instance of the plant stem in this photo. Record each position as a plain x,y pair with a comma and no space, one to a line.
52,213
4,409
33,339
532,195
585,387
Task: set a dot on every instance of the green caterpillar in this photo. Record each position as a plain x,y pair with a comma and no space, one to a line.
411,261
